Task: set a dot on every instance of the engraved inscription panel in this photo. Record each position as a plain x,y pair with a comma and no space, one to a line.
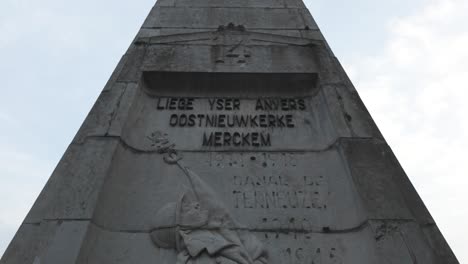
230,123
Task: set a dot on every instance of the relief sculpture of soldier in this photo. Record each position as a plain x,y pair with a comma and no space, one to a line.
198,226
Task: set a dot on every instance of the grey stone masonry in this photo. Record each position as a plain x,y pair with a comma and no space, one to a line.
229,133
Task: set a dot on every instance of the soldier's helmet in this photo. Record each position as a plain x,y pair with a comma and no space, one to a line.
185,214
164,232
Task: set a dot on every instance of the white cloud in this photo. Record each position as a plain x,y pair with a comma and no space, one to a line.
417,92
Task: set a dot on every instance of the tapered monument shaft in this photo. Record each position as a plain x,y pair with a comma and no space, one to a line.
229,133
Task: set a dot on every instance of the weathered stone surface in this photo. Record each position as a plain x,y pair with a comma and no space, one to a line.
73,189
212,18
233,3
401,242
373,175
229,133
131,72
110,247
30,242
66,244
438,244
108,114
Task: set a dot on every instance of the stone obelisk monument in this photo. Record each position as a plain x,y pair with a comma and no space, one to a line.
229,133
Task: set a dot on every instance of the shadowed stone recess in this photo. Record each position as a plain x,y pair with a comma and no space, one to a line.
229,133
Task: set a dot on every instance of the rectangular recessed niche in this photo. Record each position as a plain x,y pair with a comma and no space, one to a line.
246,85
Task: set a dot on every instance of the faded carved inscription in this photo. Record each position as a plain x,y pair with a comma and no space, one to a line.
276,185
311,255
278,192
238,159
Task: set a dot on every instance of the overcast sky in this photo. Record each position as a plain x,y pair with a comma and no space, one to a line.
408,60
